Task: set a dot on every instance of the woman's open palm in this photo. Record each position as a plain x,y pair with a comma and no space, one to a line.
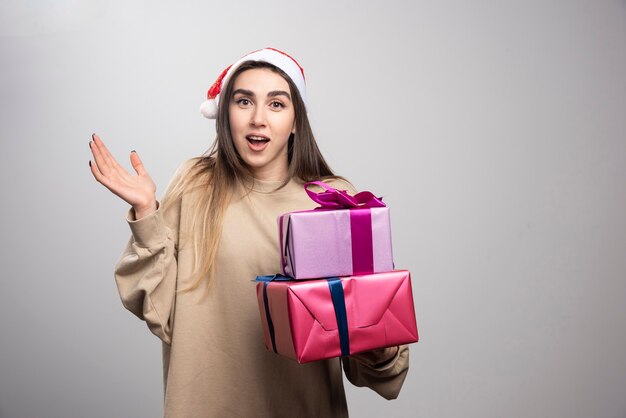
137,190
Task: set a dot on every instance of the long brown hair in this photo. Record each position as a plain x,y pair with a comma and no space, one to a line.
221,169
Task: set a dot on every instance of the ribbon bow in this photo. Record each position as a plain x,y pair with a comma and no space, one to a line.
332,198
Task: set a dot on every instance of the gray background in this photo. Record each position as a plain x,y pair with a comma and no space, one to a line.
495,130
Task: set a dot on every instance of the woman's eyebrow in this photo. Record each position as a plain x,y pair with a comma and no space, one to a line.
244,92
279,93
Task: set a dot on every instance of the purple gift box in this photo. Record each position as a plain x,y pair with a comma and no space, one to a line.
346,236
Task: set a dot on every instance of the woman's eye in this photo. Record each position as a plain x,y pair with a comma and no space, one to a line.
277,105
243,101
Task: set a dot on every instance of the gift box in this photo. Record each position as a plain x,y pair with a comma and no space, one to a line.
309,320
347,235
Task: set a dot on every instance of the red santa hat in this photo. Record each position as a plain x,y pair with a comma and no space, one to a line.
270,55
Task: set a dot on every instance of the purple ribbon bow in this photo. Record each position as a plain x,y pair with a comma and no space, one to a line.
332,198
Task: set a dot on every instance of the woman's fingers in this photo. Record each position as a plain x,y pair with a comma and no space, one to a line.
137,164
97,174
103,150
110,163
104,163
95,171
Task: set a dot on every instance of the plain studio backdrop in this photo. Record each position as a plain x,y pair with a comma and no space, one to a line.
495,130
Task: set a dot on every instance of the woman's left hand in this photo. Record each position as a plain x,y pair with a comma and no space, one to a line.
377,357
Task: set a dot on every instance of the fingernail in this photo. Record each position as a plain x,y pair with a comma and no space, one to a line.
89,144
134,151
89,163
92,135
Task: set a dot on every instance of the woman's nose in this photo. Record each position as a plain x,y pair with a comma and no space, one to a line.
258,116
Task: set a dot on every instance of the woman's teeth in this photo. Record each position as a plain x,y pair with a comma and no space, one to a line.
256,139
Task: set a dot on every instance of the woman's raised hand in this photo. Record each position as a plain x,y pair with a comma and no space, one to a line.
139,191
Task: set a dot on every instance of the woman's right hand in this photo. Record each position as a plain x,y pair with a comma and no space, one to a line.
139,191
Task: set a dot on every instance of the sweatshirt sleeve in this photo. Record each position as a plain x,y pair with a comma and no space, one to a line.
146,273
386,380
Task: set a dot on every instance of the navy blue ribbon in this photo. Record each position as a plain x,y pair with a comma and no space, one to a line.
339,304
270,324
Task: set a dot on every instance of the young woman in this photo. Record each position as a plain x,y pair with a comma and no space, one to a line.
189,266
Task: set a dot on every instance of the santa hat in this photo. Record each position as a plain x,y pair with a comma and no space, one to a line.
270,55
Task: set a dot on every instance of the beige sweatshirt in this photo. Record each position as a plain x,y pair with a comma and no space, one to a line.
215,363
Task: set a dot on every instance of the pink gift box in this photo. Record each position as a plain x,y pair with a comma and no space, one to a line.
334,240
303,319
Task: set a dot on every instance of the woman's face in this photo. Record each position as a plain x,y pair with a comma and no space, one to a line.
262,118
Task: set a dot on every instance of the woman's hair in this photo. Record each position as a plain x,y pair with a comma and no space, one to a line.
221,169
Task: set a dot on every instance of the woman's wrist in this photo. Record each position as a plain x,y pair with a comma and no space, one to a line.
143,211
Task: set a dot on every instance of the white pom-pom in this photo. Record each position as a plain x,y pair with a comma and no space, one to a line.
209,109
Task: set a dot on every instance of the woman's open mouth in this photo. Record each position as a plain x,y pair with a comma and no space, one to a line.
257,143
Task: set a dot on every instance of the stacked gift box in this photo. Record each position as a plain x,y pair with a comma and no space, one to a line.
338,293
